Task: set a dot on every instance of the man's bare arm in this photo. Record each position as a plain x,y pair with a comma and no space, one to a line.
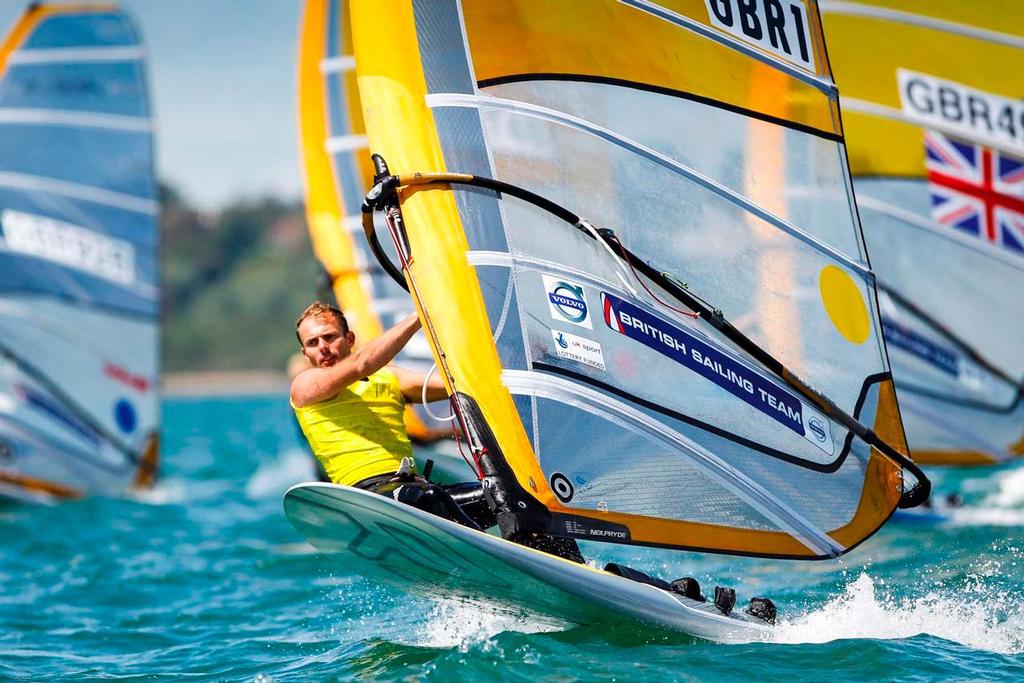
318,384
430,435
411,384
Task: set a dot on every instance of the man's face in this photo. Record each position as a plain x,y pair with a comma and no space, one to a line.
323,341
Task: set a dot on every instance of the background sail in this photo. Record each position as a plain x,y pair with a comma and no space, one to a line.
717,159
935,126
337,174
78,256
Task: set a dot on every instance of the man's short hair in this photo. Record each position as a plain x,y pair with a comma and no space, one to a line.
321,311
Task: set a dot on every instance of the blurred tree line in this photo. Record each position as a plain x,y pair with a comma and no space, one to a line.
233,283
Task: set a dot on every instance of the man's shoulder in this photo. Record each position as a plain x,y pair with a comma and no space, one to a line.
297,391
293,391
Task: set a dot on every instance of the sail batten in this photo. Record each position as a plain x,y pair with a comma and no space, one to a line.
857,106
89,193
71,55
338,64
72,118
345,143
969,441
924,223
924,21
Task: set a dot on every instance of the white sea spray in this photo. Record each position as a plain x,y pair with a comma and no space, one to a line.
273,477
1002,506
974,615
454,623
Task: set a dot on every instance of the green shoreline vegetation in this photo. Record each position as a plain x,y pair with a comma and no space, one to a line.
233,283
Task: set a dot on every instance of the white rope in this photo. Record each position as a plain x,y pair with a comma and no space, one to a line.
615,257
426,409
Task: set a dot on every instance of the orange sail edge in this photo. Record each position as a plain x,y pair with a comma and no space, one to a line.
148,467
415,427
36,487
877,503
325,208
35,13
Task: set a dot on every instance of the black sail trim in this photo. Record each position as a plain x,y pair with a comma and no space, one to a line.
869,381
660,90
1009,409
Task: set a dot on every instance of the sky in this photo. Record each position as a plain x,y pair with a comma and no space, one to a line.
222,83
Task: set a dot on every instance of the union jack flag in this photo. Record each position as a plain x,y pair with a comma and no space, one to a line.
977,190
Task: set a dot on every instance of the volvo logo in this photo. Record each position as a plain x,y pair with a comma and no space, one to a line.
817,428
569,301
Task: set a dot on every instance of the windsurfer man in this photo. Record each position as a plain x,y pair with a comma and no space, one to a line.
350,404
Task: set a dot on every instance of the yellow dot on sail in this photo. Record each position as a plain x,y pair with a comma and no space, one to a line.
844,304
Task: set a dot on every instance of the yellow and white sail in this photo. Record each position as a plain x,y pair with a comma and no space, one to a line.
715,154
337,174
931,97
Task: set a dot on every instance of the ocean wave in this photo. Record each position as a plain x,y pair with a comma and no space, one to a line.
1010,489
273,477
1003,506
974,617
164,492
456,624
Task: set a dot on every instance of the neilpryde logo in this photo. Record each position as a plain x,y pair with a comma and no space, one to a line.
567,301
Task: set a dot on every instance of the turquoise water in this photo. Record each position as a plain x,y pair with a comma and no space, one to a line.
204,579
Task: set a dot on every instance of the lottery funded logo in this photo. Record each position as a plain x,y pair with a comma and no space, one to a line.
578,349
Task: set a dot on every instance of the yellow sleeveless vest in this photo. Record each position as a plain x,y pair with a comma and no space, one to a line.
359,433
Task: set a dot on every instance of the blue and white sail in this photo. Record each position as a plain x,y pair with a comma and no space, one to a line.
79,409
